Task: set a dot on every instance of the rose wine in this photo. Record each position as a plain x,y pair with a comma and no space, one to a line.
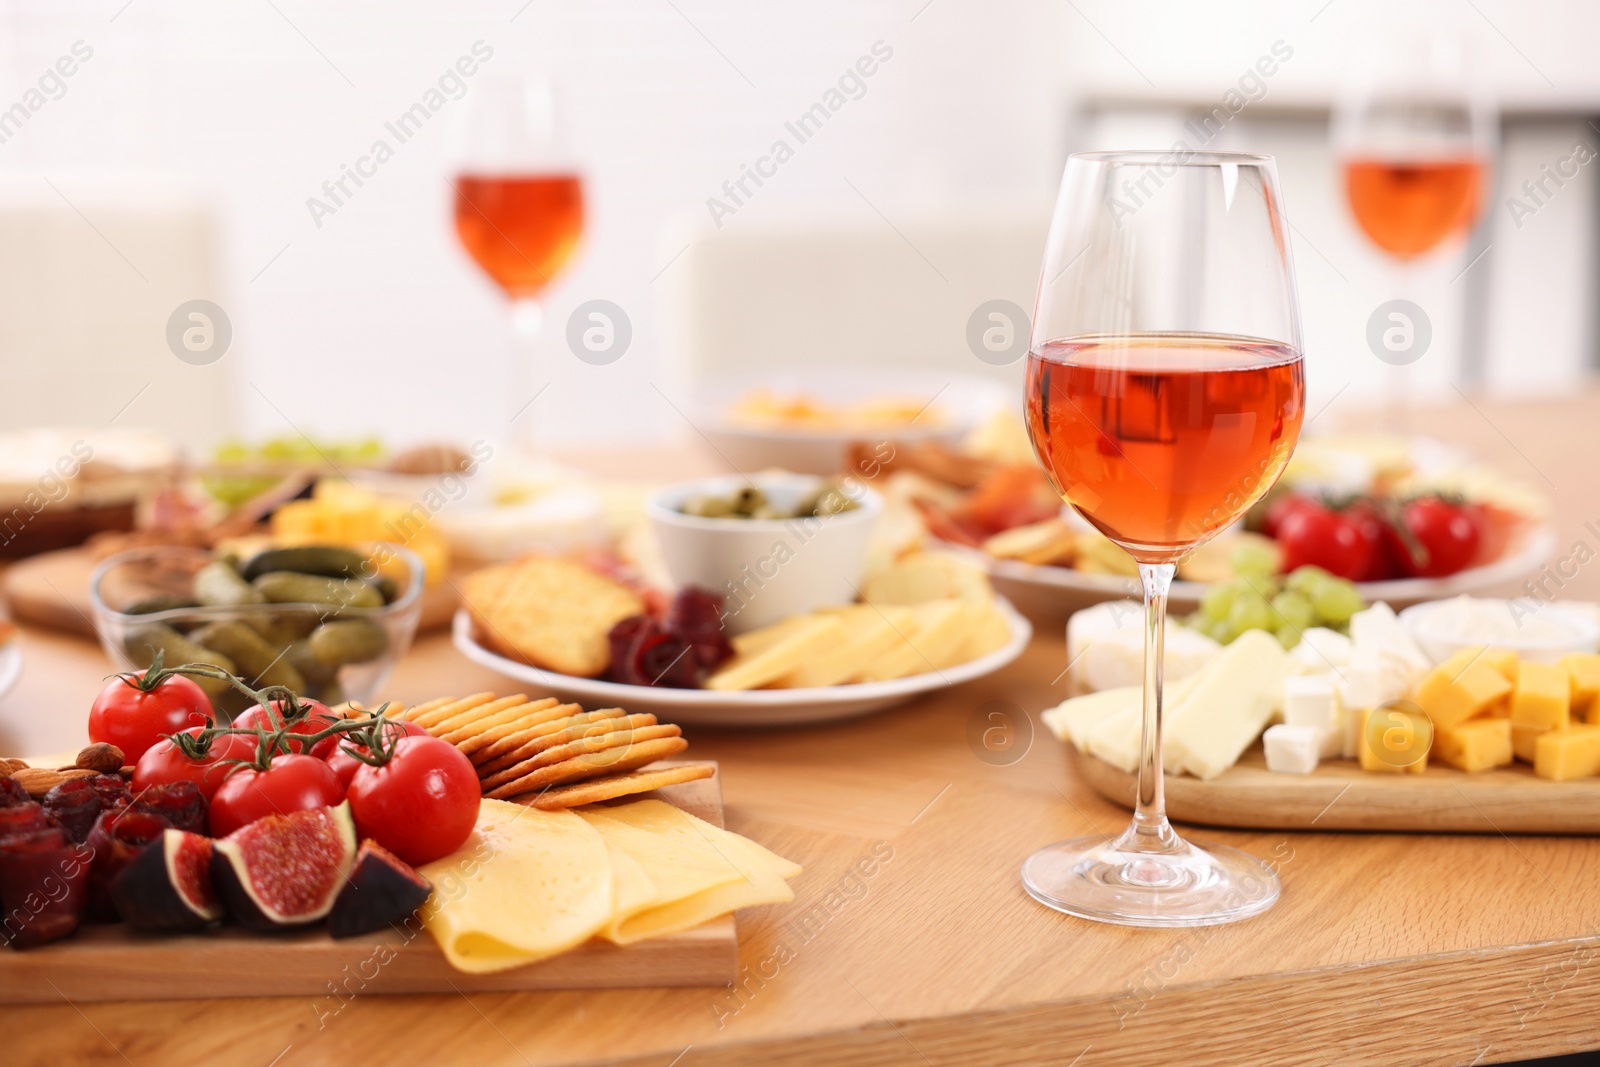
521,229
1162,440
1408,207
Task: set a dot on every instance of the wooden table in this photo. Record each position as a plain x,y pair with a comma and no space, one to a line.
911,940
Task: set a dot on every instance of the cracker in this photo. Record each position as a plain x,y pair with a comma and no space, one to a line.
454,707
585,737
612,786
423,709
615,741
591,765
551,613
511,737
527,725
512,715
472,715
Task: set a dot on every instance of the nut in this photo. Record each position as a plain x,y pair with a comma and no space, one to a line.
101,758
8,767
40,780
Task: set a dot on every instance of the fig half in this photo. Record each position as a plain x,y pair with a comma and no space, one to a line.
285,871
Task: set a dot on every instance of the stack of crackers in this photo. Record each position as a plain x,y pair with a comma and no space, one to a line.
551,755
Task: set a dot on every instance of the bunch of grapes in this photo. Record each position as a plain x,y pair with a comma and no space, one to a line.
1258,599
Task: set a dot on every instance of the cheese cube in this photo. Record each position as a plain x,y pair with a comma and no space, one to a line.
1542,697
1308,701
1320,650
1525,740
1573,752
1503,660
1476,745
1461,688
1402,739
1292,749
1583,670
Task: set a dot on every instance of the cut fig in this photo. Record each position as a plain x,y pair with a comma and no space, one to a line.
285,871
382,889
167,887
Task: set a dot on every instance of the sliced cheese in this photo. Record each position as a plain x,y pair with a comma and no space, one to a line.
1235,698
1116,735
769,662
532,884
868,632
699,871
930,644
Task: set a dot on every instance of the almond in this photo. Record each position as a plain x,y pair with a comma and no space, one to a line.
40,780
101,758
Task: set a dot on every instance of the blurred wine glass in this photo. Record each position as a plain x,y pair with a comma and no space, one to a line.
1414,136
519,201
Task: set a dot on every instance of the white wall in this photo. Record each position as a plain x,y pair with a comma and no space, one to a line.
377,322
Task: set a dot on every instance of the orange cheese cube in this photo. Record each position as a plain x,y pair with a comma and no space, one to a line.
1583,671
1460,688
1503,660
1542,697
1476,745
1400,738
1525,740
1570,753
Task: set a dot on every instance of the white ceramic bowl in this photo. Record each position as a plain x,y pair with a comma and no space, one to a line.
1534,630
766,569
960,401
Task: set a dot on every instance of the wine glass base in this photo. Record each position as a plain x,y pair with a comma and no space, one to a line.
1190,885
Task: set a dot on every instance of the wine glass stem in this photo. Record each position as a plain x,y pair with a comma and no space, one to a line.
527,319
1150,831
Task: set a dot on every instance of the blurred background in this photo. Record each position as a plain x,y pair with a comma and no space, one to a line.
185,156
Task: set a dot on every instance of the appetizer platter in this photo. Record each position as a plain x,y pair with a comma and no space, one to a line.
476,843
925,622
1406,521
1463,715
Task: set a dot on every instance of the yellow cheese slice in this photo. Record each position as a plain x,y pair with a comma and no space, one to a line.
699,870
528,884
632,889
752,670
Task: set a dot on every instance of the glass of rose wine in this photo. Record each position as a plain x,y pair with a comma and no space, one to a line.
518,204
1164,396
1414,133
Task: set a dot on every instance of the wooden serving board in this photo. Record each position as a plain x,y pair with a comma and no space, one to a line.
52,589
1339,795
104,963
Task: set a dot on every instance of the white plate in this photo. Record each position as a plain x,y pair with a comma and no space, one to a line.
10,666
753,707
1058,590
965,400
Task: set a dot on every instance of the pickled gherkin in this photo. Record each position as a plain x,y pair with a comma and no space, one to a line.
288,587
348,641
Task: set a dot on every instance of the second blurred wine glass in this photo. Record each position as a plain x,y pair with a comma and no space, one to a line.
519,203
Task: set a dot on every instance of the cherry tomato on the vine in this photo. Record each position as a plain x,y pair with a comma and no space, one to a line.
290,783
133,717
345,765
317,719
164,762
422,804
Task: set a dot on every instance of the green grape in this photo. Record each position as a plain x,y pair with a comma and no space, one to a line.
1250,612
1218,601
1336,601
1294,611
1254,559
1308,580
1222,631
1288,637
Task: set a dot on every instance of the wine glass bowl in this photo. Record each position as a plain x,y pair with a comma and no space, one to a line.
520,229
1164,394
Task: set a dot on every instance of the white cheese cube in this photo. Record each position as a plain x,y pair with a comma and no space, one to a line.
1293,749
1308,701
1377,630
1321,649
1105,646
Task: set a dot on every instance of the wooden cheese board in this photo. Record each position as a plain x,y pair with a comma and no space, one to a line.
106,963
52,589
1339,795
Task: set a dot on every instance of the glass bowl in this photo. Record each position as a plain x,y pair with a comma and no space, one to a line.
123,580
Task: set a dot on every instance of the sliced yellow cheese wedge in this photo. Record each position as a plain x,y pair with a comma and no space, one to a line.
700,871
528,884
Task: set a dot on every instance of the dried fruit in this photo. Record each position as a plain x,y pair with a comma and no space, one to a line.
43,885
696,616
167,886
382,889
285,871
75,804
181,805
116,839
12,793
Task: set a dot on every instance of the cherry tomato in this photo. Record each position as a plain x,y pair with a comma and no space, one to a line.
1379,539
1448,535
134,719
317,719
1335,541
164,762
1280,508
290,783
345,765
422,804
